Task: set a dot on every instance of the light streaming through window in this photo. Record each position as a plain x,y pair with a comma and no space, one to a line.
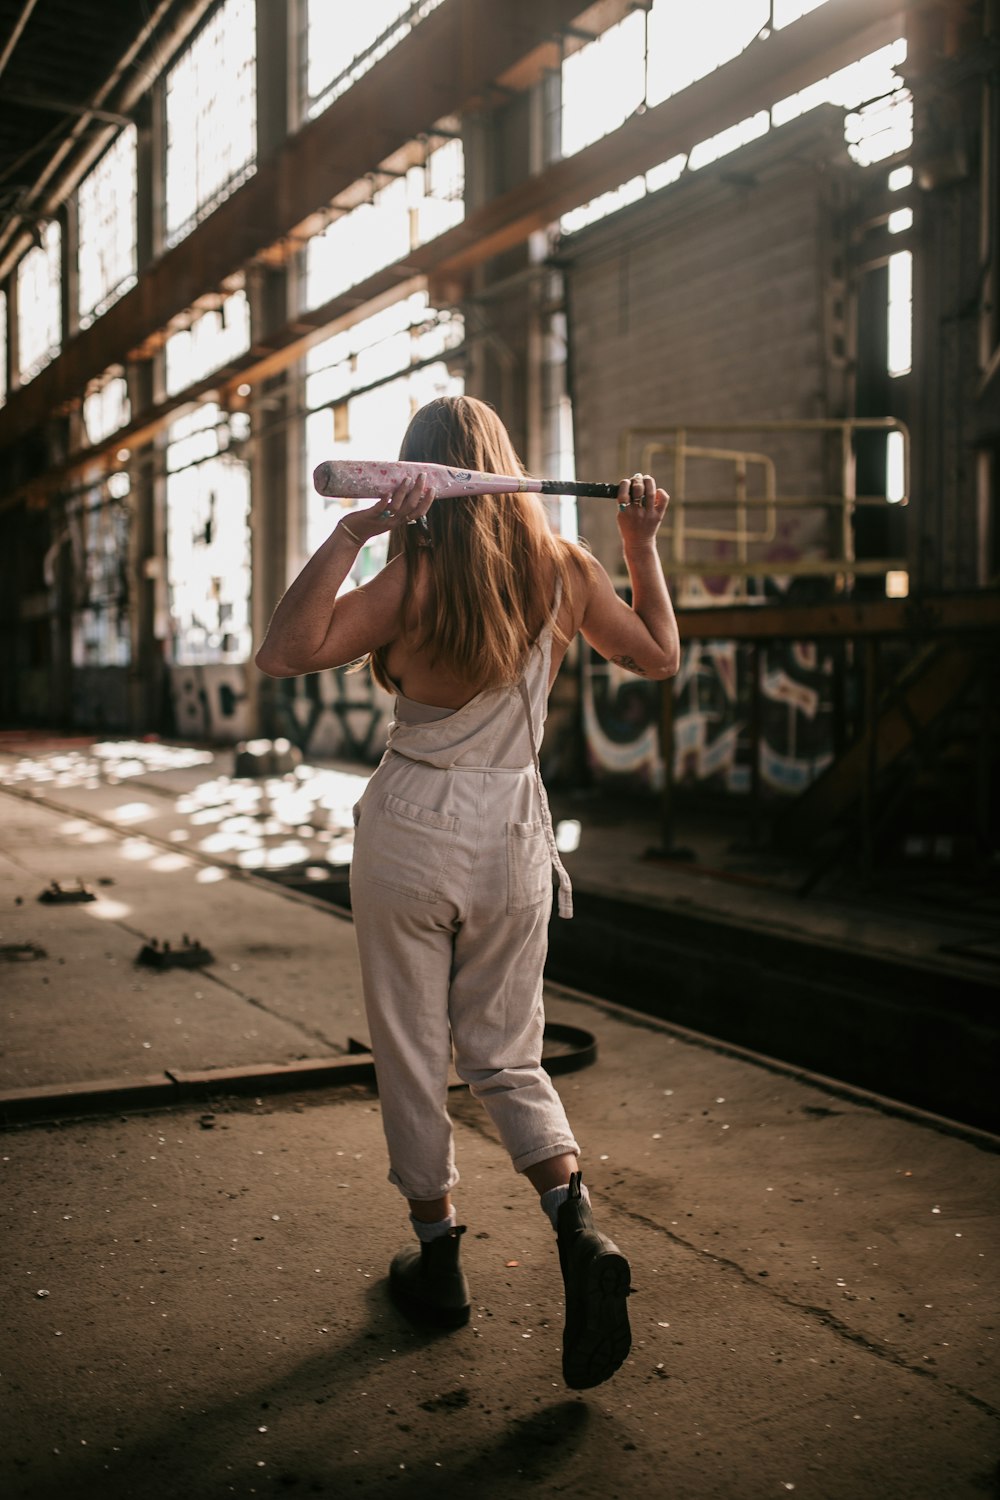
208,542
729,140
106,409
592,108
107,229
371,423
895,468
361,34
900,312
212,341
880,129
688,42
685,48
871,77
211,118
403,214
39,284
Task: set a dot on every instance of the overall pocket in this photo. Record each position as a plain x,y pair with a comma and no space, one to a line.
410,847
529,866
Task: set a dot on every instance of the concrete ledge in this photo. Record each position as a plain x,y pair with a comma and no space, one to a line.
161,1090
566,1048
320,1072
101,1096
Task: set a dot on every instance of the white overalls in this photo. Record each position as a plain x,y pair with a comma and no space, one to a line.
451,889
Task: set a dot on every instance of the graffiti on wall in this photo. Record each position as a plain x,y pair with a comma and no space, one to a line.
333,715
711,727
210,702
338,715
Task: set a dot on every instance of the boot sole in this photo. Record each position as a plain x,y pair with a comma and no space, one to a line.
599,1342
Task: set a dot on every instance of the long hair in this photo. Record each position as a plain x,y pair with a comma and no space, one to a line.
493,558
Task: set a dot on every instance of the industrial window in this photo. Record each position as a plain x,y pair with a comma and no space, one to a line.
99,525
882,128
362,387
211,118
590,108
208,542
107,253
361,33
357,244
689,42
39,294
673,50
106,408
212,340
900,312
404,213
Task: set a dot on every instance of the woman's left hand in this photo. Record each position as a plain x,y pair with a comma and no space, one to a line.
641,508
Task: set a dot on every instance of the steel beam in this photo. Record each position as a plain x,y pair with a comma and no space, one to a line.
932,614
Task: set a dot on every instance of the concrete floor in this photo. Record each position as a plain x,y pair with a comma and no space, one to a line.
194,1297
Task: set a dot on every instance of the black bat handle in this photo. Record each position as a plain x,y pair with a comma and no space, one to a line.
575,487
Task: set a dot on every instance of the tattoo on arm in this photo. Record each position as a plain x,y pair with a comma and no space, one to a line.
629,665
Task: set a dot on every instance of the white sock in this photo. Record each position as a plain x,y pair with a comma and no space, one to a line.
427,1232
552,1201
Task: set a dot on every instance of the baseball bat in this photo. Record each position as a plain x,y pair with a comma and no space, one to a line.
369,479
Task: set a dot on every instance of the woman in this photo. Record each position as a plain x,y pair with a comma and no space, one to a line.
452,876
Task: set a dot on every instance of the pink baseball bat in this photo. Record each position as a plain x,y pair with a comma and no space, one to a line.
369,479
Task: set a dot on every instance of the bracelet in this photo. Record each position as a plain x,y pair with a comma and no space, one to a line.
357,540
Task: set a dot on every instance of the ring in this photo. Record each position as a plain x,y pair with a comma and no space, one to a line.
388,511
623,505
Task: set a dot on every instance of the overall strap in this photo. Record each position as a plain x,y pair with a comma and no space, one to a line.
565,885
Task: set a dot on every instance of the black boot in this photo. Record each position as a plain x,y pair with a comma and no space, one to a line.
427,1282
597,1337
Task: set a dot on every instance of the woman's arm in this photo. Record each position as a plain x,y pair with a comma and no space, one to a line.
642,637
312,628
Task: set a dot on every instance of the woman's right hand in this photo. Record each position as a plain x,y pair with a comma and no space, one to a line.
641,508
410,500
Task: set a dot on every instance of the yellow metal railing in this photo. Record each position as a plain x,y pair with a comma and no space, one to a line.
756,514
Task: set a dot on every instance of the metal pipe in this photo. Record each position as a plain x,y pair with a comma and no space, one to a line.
15,35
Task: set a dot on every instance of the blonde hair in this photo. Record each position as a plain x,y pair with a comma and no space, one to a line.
492,559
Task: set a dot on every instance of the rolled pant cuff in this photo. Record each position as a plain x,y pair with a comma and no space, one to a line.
545,1153
424,1195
